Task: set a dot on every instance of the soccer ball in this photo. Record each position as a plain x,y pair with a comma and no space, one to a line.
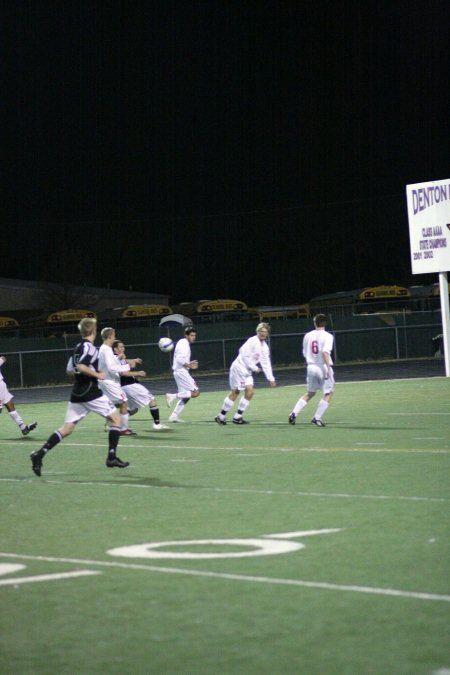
165,344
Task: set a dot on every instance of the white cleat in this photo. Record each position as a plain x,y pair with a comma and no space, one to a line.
170,398
160,427
175,418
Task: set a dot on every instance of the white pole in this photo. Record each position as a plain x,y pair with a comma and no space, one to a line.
445,312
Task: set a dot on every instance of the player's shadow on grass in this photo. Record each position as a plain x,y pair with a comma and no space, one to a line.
123,479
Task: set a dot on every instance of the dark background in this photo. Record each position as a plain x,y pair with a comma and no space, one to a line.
254,149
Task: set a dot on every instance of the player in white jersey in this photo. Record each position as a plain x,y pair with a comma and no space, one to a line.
253,357
317,348
110,385
6,399
138,396
181,365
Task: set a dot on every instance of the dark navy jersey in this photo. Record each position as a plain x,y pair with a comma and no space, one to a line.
126,379
85,388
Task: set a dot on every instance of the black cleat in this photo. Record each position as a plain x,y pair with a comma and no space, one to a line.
291,418
36,462
112,462
28,428
219,421
317,422
240,420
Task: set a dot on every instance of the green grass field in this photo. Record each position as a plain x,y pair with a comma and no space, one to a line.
281,549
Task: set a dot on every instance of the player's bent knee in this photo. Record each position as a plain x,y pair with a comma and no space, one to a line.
115,420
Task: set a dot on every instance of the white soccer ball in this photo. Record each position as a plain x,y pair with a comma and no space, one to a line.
165,344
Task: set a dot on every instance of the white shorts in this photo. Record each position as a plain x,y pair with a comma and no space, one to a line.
315,379
5,394
78,411
239,377
113,391
138,396
184,380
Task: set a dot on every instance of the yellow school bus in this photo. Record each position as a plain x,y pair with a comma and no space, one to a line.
8,322
138,311
70,316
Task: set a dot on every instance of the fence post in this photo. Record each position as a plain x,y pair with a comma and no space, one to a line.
397,347
21,369
224,358
405,334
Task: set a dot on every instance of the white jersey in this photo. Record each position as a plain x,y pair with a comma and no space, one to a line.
315,343
110,365
254,354
5,394
182,354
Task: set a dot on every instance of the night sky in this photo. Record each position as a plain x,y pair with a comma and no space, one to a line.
245,149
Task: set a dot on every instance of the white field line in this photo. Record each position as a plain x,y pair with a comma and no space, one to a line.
414,414
257,451
326,495
429,438
417,595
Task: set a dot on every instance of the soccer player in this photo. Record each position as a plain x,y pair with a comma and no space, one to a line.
110,385
86,397
317,348
182,364
138,396
6,399
253,357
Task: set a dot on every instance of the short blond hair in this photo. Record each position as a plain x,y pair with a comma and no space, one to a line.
263,325
87,326
107,332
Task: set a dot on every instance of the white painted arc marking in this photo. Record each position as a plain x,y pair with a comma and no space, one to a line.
47,577
260,547
418,595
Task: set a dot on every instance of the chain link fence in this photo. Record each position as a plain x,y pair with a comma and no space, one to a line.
28,368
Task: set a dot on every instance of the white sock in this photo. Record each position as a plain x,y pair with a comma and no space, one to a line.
321,408
242,407
124,421
227,404
301,403
17,419
179,407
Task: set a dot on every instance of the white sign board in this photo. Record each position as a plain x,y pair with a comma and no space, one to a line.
429,226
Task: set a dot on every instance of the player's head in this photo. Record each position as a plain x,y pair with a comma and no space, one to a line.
263,330
190,333
320,321
118,347
108,333
87,327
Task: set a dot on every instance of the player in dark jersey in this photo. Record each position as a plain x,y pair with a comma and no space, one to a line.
85,397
